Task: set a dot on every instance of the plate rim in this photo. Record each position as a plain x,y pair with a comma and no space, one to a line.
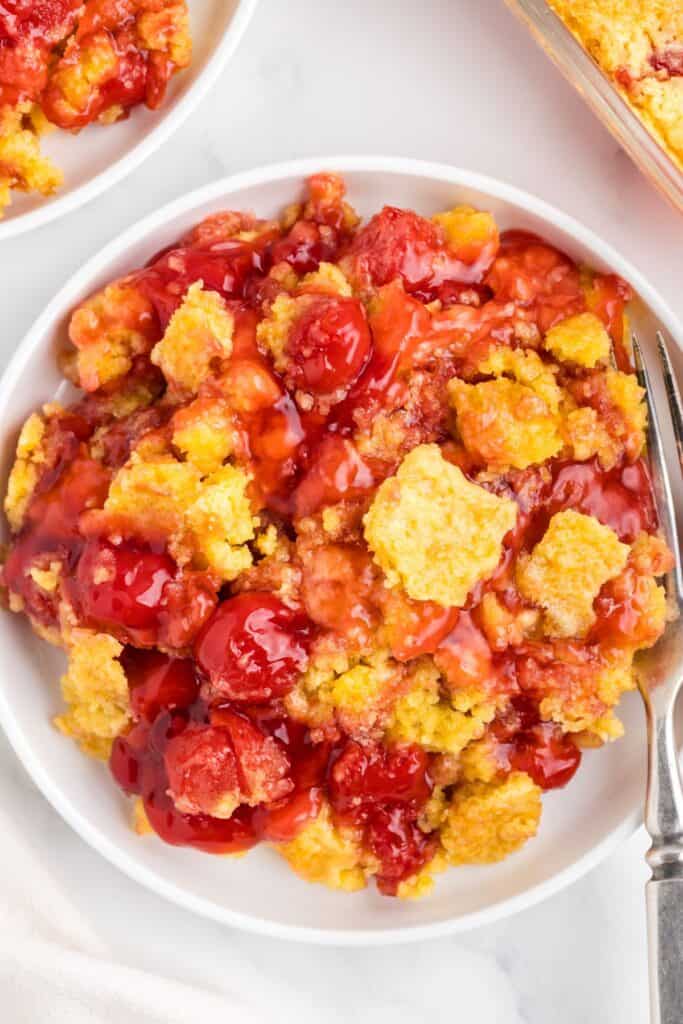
59,205
225,186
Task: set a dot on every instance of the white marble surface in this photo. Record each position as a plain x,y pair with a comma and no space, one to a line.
451,80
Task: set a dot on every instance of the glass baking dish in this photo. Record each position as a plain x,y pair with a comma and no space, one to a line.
601,95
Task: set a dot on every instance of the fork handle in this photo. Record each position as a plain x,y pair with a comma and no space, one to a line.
665,940
664,892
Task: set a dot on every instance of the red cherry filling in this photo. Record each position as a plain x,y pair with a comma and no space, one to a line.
263,764
128,758
621,498
364,776
201,831
306,246
541,749
42,22
213,768
399,244
201,766
329,345
275,435
226,267
157,682
398,324
399,844
538,277
27,31
464,655
136,75
252,649
121,586
422,627
337,472
283,819
609,295
547,755
196,779
669,60
50,532
396,244
383,789
337,588
188,602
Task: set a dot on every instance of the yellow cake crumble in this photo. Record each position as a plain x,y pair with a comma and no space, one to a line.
478,762
487,822
47,579
203,433
527,368
629,399
328,854
580,339
503,423
273,331
96,692
464,226
197,339
165,29
435,533
141,823
207,519
567,568
352,691
25,470
329,279
423,715
585,435
108,331
222,521
22,166
587,707
417,886
358,691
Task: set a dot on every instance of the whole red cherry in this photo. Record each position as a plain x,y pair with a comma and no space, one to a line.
252,649
329,345
121,585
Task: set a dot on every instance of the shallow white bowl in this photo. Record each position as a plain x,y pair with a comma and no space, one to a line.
580,825
98,157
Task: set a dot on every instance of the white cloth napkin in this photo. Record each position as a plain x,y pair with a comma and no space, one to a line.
81,944
53,968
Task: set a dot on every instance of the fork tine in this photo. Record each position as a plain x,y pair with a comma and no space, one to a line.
661,483
672,394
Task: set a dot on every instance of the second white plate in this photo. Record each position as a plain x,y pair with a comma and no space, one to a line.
100,156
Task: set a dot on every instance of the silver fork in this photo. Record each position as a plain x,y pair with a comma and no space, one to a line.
660,675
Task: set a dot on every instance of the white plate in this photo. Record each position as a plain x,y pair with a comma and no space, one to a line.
100,156
580,825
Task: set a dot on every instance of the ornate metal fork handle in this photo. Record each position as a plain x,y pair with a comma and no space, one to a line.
660,678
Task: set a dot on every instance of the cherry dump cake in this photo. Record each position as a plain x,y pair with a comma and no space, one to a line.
69,63
350,540
639,46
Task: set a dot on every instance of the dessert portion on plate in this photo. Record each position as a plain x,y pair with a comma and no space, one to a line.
70,63
639,46
350,538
